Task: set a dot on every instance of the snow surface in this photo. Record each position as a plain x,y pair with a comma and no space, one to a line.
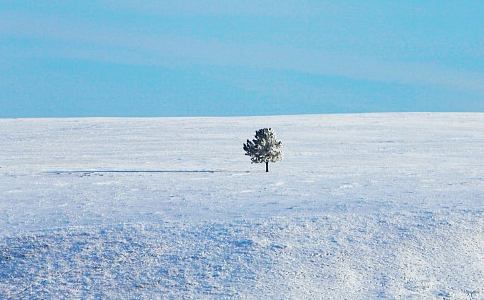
368,206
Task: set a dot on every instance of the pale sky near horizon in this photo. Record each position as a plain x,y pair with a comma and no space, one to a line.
61,58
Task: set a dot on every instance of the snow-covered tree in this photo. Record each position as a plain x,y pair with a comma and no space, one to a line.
264,148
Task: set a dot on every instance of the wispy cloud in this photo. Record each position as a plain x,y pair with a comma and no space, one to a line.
76,39
279,8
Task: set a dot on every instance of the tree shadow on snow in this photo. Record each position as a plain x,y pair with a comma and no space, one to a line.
141,171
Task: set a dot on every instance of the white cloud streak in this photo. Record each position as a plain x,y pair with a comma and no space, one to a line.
279,8
75,39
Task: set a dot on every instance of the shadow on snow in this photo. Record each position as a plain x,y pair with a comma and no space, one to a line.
141,171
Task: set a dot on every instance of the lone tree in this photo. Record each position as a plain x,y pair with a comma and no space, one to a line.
264,148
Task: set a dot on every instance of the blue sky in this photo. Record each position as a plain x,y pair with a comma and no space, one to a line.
61,58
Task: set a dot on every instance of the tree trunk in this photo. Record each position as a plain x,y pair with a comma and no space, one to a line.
267,166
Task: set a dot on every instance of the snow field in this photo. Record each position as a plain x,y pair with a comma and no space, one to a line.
371,256
371,206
